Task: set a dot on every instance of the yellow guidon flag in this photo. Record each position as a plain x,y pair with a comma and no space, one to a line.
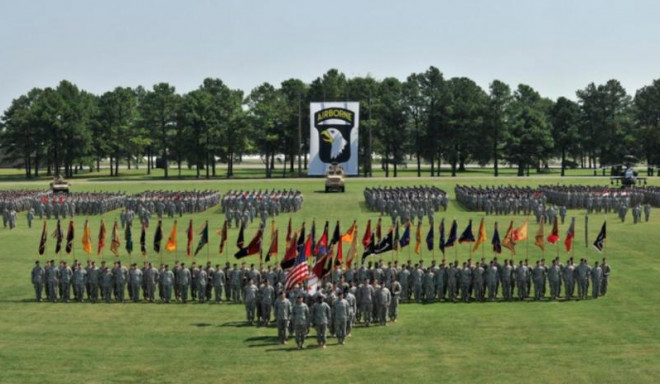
481,237
520,233
538,239
171,241
87,239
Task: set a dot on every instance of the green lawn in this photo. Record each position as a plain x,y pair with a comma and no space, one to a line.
612,339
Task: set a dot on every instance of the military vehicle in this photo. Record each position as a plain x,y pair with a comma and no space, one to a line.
59,185
334,178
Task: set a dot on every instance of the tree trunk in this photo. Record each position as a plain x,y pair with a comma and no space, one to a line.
117,166
111,168
521,168
563,160
495,160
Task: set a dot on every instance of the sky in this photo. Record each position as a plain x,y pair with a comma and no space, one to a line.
557,46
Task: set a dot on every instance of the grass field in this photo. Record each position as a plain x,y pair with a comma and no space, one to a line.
612,339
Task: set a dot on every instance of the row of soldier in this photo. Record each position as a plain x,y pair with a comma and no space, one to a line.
406,203
243,206
595,199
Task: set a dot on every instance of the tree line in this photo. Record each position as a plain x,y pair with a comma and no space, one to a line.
427,117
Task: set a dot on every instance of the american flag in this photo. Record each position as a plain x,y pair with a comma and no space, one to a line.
299,271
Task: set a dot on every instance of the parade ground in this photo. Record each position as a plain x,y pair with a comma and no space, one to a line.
615,338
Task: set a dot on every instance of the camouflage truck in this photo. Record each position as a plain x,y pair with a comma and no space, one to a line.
59,185
334,178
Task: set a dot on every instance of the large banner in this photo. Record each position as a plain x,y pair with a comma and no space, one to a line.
333,136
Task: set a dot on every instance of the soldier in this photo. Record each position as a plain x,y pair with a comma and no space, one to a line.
166,281
320,316
492,276
522,276
202,281
120,275
582,272
300,314
79,280
177,283
394,303
194,275
606,274
283,310
569,279
365,301
267,298
249,297
228,272
384,298
597,280
31,217
107,281
647,212
184,281
52,281
92,281
236,280
429,286
506,276
135,276
466,279
341,316
151,279
478,282
554,278
539,280
218,283
352,309
404,280
38,275
65,274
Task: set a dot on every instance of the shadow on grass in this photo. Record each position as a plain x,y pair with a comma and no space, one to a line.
201,324
237,324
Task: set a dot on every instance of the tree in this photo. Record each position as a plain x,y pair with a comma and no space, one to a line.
267,116
117,112
392,122
647,117
606,123
415,108
529,137
497,119
565,118
19,131
295,93
466,110
159,112
365,91
438,99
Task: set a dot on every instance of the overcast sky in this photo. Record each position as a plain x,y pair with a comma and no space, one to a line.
555,46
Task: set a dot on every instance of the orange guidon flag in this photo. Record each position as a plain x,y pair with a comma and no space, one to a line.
481,237
348,236
171,241
87,239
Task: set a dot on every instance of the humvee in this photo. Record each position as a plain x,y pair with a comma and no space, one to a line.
59,185
334,178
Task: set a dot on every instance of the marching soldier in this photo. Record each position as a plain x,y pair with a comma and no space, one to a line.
320,316
166,281
267,297
250,297
342,316
301,319
283,311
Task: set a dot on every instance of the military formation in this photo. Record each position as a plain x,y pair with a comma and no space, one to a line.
500,200
242,207
406,203
168,203
596,199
